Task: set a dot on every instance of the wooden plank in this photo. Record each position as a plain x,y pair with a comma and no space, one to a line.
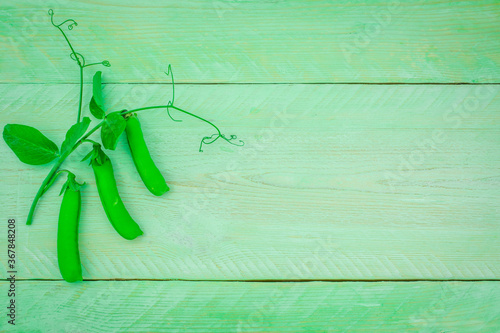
160,306
256,41
334,182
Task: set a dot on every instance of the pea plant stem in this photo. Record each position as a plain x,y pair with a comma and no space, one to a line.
54,170
41,191
81,94
62,158
83,139
173,107
80,60
89,133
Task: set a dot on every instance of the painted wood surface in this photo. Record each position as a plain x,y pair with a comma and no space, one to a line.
256,41
153,306
334,182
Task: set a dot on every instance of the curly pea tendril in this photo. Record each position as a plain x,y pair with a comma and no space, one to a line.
170,105
75,56
80,59
207,139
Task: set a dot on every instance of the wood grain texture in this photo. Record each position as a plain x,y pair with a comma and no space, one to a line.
334,182
152,306
256,41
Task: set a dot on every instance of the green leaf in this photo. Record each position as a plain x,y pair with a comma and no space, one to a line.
96,109
96,105
74,134
96,88
113,127
29,144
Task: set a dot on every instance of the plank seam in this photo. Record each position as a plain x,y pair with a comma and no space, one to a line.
273,83
275,280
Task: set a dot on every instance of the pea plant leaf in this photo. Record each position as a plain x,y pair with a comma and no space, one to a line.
29,144
74,133
96,109
96,104
112,128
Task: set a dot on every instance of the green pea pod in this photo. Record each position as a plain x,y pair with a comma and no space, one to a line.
112,203
68,255
150,175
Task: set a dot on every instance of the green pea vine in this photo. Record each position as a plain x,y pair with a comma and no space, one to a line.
34,148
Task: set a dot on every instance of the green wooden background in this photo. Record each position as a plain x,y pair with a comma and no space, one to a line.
366,197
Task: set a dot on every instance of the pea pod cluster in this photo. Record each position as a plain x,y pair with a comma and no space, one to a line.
32,147
68,255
